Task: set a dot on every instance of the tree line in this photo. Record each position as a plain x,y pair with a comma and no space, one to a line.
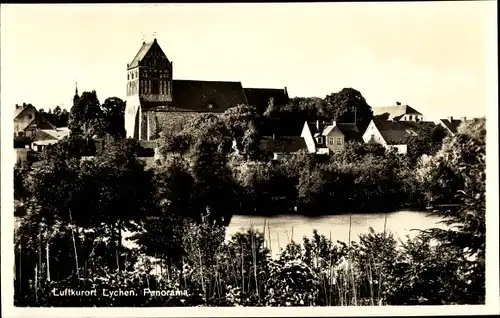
74,210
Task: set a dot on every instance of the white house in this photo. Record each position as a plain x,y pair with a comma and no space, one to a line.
390,134
328,137
399,113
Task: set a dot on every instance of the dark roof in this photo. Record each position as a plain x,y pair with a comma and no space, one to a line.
21,108
452,124
350,130
395,132
317,128
259,97
140,55
288,144
199,95
395,112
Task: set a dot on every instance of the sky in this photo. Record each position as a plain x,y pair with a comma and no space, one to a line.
430,55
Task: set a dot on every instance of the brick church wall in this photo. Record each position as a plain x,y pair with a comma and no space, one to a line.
168,121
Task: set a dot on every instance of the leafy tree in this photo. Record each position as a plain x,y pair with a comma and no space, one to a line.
463,157
341,107
84,113
113,111
427,141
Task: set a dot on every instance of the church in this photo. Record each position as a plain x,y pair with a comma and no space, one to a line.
156,102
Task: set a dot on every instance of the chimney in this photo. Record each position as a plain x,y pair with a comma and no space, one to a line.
317,124
398,103
450,118
334,122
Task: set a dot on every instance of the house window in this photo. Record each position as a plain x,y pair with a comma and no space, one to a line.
339,141
319,140
411,117
331,140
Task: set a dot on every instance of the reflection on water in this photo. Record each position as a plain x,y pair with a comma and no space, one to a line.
284,228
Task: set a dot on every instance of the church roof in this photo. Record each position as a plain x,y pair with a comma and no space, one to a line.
207,96
140,55
259,97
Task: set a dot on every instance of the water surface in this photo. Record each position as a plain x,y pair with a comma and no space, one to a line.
284,228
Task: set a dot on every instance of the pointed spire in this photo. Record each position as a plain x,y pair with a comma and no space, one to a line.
76,89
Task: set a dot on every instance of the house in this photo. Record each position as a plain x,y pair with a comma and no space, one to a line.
44,137
392,134
27,120
156,102
324,138
399,113
279,146
451,124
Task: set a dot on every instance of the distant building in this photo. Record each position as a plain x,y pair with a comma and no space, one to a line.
27,121
44,137
324,138
156,102
399,113
451,124
392,134
279,146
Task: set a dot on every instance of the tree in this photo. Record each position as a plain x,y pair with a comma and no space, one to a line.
241,122
85,114
341,107
113,111
427,141
463,156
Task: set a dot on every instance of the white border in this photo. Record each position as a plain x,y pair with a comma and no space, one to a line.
492,257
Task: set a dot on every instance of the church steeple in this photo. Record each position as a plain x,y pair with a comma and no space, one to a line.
76,97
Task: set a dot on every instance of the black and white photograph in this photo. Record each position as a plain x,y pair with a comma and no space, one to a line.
309,155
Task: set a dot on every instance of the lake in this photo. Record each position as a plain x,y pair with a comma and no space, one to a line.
285,227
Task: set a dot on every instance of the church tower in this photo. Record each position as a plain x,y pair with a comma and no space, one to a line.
149,88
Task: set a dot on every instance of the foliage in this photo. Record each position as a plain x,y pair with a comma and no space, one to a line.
342,105
90,118
76,211
58,117
463,158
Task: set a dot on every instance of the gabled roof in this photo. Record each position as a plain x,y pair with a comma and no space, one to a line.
286,144
259,97
452,124
395,112
21,109
140,55
51,134
395,133
350,130
207,96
